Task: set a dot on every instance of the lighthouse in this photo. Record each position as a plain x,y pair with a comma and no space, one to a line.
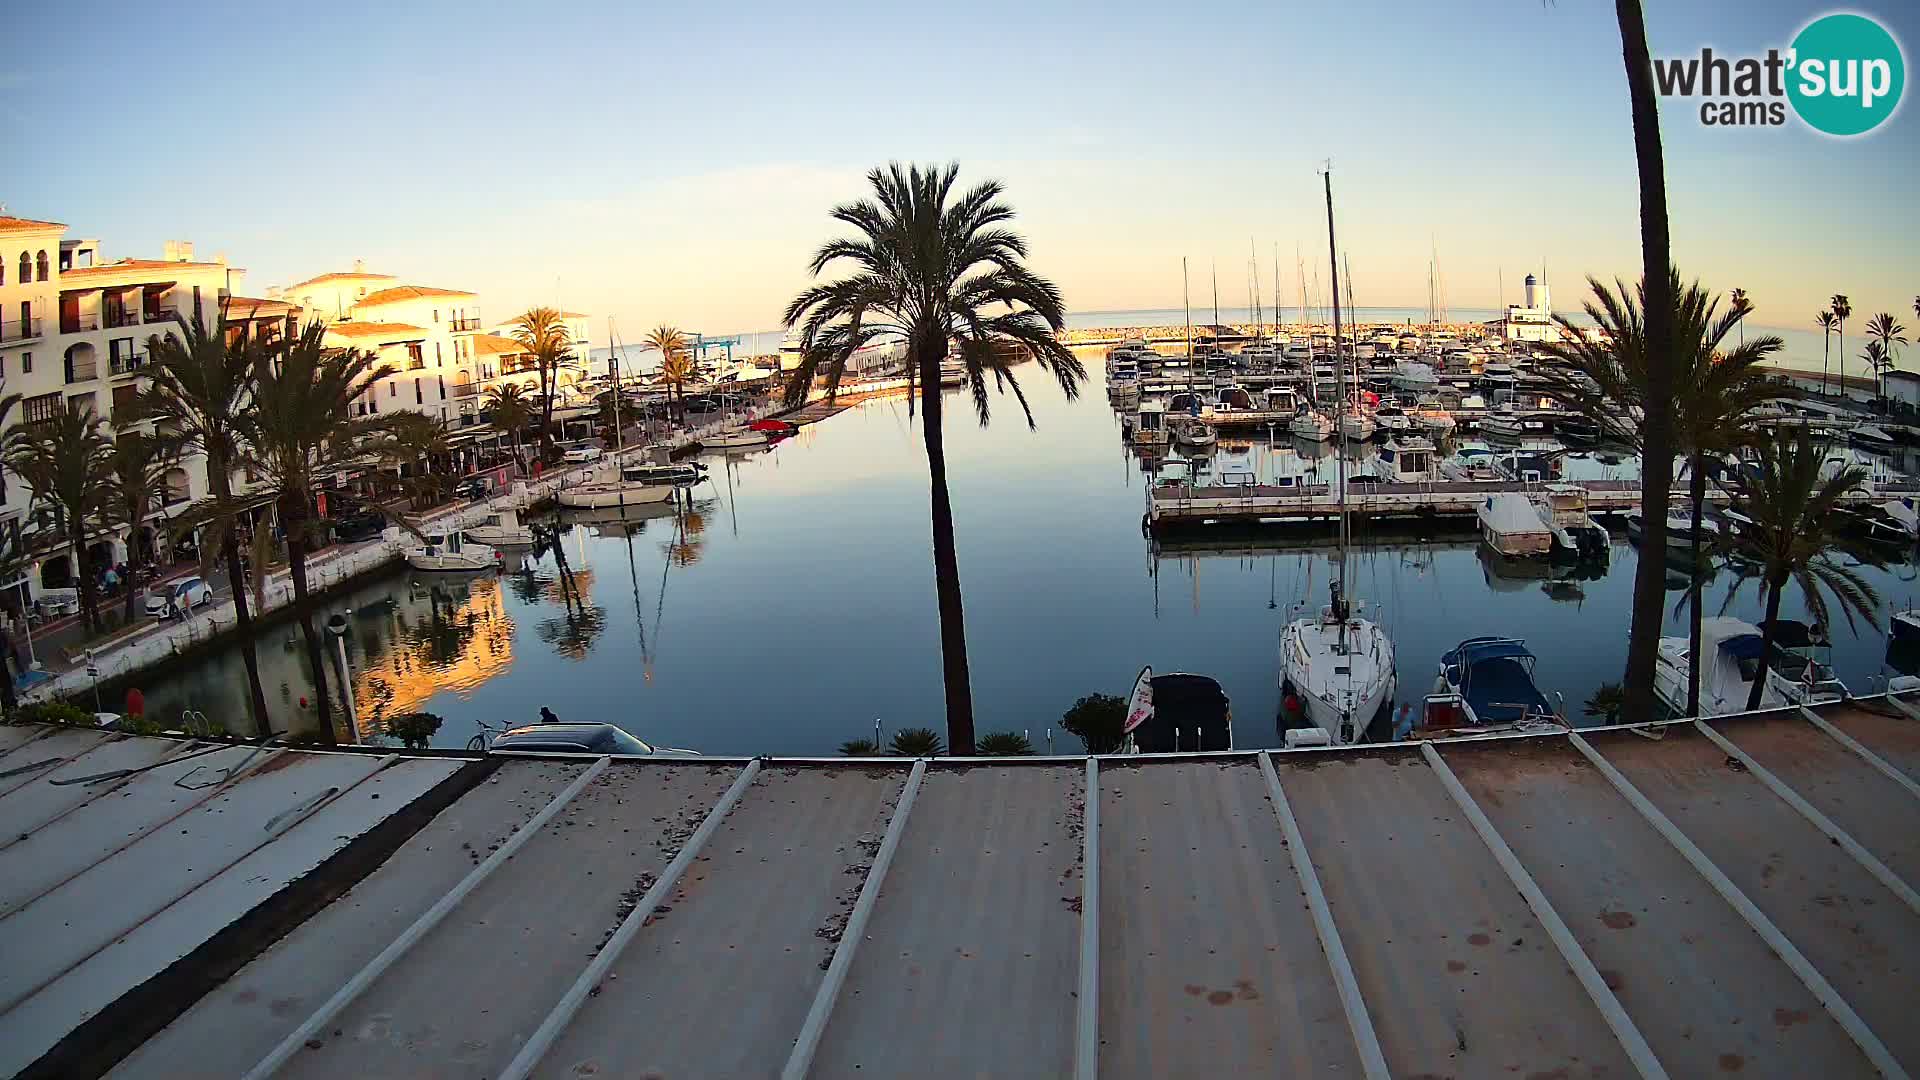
1532,319
1536,295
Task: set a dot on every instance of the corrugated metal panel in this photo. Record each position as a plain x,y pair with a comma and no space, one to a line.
1208,952
64,927
1458,975
235,1026
463,1000
725,978
14,737
972,947
33,1026
46,754
1700,985
1866,942
29,807
70,844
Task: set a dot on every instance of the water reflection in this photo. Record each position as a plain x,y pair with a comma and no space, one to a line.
423,638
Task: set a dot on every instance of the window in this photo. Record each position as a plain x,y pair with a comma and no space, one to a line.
26,268
26,363
436,354
436,314
43,265
196,303
415,357
393,389
38,410
442,380
80,404
3,273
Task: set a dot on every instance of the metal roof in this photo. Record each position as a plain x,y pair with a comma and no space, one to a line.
1684,899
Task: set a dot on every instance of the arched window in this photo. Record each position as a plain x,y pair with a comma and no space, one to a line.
26,268
43,265
3,271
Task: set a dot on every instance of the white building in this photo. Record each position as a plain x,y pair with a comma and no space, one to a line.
1531,320
413,383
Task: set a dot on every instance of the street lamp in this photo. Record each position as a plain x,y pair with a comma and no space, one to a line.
337,627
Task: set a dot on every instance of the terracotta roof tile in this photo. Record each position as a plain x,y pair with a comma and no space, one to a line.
401,293
384,331
325,279
20,224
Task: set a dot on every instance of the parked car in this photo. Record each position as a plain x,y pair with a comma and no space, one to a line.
473,490
364,525
579,739
178,597
581,455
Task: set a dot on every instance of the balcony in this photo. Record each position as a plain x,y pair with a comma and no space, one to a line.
154,315
469,322
463,390
75,323
79,371
129,364
123,318
21,329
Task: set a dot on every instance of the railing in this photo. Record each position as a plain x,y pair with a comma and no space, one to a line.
471,322
82,372
154,315
128,364
76,323
123,318
463,390
20,329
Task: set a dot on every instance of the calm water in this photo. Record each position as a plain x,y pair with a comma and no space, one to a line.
794,605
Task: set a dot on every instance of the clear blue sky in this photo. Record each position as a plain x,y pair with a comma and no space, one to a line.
674,162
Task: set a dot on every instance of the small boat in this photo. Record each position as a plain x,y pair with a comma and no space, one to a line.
1878,523
1502,423
953,373
1679,520
1870,436
1414,375
1511,525
1435,420
500,528
1392,419
1576,535
1472,464
1177,713
1734,647
1486,683
441,553
1312,425
1194,432
1150,424
746,437
675,472
622,490
1577,431
1337,678
1358,426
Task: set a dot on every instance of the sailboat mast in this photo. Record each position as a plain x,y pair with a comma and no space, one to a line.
1186,298
1340,410
613,369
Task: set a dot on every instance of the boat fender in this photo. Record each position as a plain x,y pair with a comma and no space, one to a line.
1146,525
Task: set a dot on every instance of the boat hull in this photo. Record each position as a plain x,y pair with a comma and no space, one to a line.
596,496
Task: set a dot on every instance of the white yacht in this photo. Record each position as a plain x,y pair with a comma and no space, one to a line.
1511,525
1502,422
1193,432
500,528
1312,425
1150,423
440,553
1414,375
631,486
1733,649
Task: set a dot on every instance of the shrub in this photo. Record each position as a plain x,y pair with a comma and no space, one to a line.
53,712
1098,720
1003,744
917,742
860,748
415,730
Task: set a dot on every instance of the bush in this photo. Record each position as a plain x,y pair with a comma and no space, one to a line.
1004,744
415,730
860,748
1098,720
917,742
53,712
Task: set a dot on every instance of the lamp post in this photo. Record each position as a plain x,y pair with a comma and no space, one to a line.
337,627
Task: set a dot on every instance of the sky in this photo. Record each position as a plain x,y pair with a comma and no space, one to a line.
675,163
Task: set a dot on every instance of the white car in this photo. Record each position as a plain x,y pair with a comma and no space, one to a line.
582,455
179,597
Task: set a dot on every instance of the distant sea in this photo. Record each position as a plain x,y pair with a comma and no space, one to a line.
1802,347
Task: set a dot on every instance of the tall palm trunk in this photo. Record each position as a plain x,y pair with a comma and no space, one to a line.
85,582
1826,356
1774,590
222,484
293,517
1843,359
132,580
946,561
1649,589
1698,489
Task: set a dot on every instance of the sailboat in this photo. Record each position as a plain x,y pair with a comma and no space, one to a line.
620,489
1337,676
1310,423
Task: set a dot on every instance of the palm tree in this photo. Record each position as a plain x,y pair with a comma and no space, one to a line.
1842,308
932,267
140,463
301,427
68,464
198,388
1656,256
1789,503
1715,393
676,363
542,332
511,412
1826,322
1886,333
409,439
1739,307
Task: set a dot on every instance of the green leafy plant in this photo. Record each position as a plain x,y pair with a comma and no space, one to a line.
917,742
1097,720
415,730
53,712
1004,744
1606,703
860,748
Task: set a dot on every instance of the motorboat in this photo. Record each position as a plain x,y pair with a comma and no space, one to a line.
1867,435
745,437
443,553
1193,432
1734,648
953,373
1487,683
1176,713
1391,418
1576,534
634,485
1502,422
1312,425
1471,463
1437,421
1410,459
1150,424
1891,522
1679,518
1576,430
674,472
1511,525
1414,375
1358,426
1337,678
500,528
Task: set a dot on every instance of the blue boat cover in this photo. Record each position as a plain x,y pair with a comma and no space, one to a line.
1497,680
1742,647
